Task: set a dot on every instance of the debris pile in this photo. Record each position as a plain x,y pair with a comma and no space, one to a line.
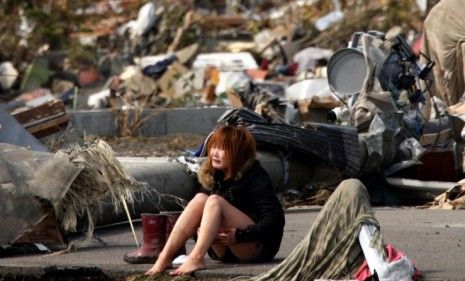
454,198
127,54
59,188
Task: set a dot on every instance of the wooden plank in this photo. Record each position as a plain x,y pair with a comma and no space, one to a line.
45,119
49,127
45,231
55,107
223,21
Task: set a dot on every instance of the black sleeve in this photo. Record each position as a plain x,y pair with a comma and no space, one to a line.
270,214
203,190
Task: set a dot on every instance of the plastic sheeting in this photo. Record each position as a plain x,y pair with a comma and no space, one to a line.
337,146
19,209
14,133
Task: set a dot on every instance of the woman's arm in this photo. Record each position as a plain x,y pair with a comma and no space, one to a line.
269,216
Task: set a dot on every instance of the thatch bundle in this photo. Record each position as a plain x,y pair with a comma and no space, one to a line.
102,176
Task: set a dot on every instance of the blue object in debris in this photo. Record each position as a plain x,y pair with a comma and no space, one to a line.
67,97
157,69
198,152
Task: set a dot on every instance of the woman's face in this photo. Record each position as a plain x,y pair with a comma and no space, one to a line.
217,156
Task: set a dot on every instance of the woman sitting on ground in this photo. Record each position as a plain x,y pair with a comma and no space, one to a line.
237,217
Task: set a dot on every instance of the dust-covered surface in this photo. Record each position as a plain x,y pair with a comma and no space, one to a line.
167,277
434,240
158,146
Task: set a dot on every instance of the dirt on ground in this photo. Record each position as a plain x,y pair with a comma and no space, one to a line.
158,146
167,277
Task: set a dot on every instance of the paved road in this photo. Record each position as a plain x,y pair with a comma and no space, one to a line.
434,239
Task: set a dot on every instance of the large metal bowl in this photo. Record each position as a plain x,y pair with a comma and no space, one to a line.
347,71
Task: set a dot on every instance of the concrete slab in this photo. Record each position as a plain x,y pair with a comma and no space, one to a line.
93,122
159,121
432,238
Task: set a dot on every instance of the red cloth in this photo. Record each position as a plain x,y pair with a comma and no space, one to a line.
89,77
363,273
264,64
293,68
417,45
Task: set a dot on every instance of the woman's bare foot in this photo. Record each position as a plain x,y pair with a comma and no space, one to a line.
159,266
189,266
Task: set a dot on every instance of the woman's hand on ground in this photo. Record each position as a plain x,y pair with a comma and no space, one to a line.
227,236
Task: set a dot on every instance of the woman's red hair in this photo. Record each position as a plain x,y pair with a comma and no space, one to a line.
238,144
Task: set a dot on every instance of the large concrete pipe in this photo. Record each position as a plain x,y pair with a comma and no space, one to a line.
164,180
168,178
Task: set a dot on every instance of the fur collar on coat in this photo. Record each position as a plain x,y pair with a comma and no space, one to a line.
207,181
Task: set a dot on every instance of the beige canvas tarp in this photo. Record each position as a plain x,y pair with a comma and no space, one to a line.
444,43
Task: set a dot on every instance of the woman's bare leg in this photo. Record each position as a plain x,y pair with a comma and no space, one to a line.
216,211
184,228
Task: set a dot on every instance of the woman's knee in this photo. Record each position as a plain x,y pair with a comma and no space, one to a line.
351,187
200,197
214,201
352,183
199,200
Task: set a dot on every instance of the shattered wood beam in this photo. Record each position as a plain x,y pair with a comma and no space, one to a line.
188,20
45,119
222,22
45,231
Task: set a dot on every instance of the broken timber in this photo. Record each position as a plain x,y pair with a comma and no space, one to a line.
45,119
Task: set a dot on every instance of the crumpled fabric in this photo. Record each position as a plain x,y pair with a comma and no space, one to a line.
375,114
400,268
444,44
331,248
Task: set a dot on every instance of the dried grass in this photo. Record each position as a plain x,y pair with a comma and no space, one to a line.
129,121
102,176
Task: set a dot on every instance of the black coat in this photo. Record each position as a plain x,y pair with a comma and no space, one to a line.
253,195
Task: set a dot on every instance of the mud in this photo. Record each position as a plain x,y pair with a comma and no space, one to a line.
165,145
93,274
60,274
